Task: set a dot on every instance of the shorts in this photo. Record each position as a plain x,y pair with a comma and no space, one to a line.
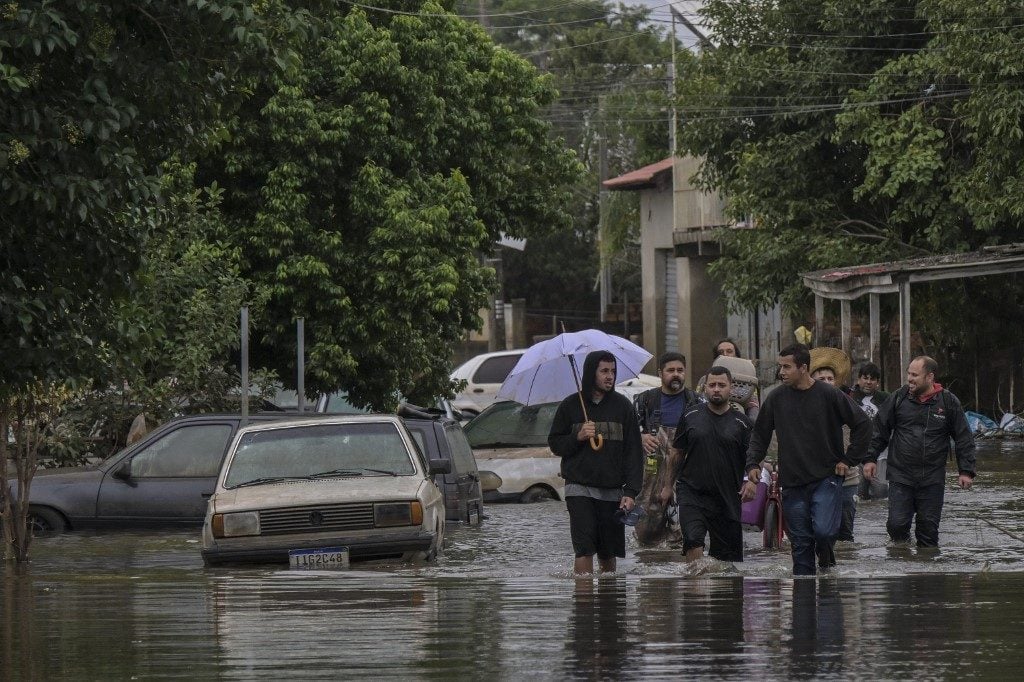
594,528
726,534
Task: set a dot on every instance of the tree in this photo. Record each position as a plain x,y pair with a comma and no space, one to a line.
363,187
93,97
609,65
174,343
854,134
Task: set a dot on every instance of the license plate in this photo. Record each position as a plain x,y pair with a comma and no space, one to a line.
325,557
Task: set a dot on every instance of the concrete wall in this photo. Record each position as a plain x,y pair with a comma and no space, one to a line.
703,318
695,209
655,235
702,314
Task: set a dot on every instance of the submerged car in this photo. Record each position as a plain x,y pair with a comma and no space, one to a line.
163,480
511,440
320,492
440,436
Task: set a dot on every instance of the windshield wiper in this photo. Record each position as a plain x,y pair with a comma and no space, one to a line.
381,471
265,480
336,472
351,472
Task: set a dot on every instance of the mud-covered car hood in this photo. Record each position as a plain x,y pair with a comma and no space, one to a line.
320,491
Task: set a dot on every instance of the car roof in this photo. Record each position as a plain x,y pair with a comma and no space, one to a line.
322,419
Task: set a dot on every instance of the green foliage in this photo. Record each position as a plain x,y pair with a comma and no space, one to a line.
609,66
172,346
853,133
362,188
93,97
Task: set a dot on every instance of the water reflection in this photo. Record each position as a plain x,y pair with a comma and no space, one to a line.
501,604
597,640
816,632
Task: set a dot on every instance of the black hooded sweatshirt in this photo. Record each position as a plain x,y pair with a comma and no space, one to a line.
619,462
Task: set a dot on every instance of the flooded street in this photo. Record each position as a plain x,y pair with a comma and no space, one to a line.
501,603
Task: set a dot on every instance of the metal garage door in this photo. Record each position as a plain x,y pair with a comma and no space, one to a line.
671,301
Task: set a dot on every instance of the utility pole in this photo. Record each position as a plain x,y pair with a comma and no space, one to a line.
672,95
244,333
482,12
605,272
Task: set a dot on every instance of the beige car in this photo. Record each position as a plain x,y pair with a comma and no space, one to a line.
321,492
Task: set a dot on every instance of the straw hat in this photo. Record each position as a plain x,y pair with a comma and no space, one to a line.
834,358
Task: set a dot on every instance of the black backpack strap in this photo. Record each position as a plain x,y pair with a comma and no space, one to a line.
645,410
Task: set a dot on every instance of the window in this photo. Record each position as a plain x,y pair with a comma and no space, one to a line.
301,451
495,370
462,454
510,425
420,436
189,452
338,403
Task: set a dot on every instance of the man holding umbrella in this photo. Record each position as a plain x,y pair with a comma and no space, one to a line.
596,434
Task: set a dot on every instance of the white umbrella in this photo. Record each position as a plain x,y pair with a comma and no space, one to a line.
548,371
545,372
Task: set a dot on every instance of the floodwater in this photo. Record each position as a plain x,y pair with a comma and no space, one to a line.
502,604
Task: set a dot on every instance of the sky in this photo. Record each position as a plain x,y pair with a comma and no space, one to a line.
660,13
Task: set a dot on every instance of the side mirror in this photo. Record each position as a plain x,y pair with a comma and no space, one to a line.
439,466
489,481
123,472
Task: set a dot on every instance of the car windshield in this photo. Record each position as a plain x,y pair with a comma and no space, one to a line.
320,451
509,424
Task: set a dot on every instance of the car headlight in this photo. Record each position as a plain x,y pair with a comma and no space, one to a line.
235,525
397,514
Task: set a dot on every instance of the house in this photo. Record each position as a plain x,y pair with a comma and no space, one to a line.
683,308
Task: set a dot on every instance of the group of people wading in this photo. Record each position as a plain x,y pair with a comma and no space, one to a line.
715,443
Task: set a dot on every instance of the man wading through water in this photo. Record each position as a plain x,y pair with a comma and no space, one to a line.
598,481
808,417
916,423
712,439
659,410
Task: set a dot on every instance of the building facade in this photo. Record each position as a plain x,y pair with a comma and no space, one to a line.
683,308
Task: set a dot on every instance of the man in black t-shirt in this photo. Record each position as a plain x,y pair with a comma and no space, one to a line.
711,439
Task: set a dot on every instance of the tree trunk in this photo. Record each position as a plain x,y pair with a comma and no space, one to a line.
6,517
17,535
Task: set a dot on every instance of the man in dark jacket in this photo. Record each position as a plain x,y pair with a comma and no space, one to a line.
916,423
602,463
662,406
808,416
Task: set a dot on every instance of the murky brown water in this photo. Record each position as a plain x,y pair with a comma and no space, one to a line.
502,604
